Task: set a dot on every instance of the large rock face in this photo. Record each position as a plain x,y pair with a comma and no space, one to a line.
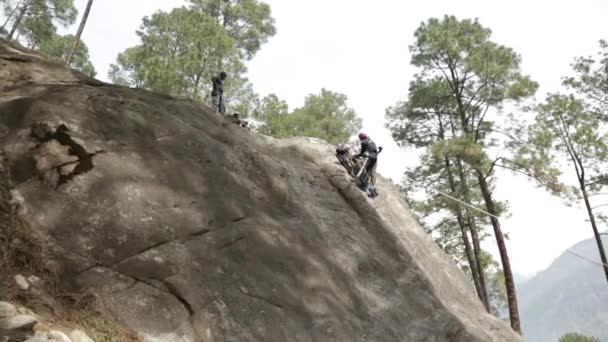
195,229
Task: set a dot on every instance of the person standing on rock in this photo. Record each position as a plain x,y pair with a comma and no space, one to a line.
370,151
217,94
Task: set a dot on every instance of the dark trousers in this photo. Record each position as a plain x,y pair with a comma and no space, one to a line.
218,103
368,166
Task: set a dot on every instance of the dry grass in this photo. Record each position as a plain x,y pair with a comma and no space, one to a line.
23,250
87,311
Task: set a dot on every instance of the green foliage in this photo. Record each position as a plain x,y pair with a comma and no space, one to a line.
36,19
419,121
179,53
438,213
58,48
37,30
61,10
129,70
274,113
477,73
453,105
591,81
464,82
574,337
463,148
572,127
248,22
240,97
563,126
453,112
182,50
325,115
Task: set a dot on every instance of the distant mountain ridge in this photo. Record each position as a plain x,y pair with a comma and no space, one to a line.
571,295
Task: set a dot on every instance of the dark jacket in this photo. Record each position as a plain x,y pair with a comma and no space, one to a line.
218,86
368,147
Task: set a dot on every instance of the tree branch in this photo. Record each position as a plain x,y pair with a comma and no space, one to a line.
492,166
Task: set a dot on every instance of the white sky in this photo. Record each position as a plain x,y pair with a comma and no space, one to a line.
360,48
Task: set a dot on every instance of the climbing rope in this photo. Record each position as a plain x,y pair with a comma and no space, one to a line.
601,264
467,204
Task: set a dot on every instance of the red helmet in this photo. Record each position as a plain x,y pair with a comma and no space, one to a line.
362,136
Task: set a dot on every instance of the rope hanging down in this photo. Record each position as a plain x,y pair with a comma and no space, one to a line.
487,213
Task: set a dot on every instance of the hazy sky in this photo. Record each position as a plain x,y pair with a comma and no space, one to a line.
360,48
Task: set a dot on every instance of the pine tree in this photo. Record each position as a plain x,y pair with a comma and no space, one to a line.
477,77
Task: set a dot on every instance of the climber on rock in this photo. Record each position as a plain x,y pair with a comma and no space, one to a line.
370,152
217,94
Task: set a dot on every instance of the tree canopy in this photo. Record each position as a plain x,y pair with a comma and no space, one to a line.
571,127
58,47
181,50
325,115
34,20
248,22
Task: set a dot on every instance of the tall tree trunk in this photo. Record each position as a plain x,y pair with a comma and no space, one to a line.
70,57
474,235
490,206
464,185
471,259
477,252
577,162
596,233
465,239
502,248
18,21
